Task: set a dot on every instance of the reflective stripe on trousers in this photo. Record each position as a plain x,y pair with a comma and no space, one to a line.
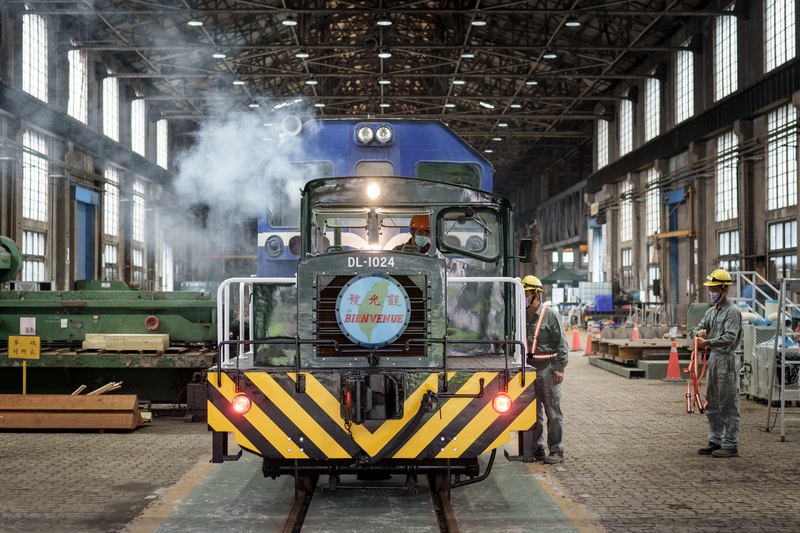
548,403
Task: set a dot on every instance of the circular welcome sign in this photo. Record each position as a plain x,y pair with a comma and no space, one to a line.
373,310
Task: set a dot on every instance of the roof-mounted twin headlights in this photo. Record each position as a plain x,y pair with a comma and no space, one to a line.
374,134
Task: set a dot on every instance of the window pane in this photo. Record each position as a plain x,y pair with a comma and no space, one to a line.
726,62
78,85
684,85
34,177
653,202
162,144
652,102
34,56
111,108
111,202
625,127
626,214
782,158
727,187
779,24
138,127
602,143
138,211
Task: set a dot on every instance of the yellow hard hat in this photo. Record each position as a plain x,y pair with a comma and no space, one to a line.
532,283
718,277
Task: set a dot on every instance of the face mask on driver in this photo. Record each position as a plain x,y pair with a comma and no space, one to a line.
715,296
421,241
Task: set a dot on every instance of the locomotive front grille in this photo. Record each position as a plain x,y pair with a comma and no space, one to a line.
326,326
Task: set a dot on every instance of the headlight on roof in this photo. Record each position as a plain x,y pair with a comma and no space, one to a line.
365,134
384,134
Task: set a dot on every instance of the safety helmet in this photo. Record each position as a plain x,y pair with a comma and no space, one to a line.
532,283
422,222
718,277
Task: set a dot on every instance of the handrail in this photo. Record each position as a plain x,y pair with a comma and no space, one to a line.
519,305
224,316
223,302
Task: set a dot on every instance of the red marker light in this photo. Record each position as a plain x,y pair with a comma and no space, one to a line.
241,404
501,403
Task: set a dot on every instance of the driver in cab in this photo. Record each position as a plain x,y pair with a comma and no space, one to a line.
420,226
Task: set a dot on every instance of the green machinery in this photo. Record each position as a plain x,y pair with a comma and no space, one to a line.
62,319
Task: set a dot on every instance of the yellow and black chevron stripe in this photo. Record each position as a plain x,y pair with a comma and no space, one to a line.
284,424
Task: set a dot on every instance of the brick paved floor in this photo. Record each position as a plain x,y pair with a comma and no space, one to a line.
632,460
91,482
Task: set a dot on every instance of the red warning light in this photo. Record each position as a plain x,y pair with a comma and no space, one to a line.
501,403
241,404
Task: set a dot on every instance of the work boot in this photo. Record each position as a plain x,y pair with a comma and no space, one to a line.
725,452
710,449
538,454
554,458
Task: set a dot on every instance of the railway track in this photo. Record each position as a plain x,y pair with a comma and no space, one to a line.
306,487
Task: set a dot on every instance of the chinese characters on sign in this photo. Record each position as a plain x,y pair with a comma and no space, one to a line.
23,347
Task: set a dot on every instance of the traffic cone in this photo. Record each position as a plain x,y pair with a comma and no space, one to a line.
576,341
589,343
635,332
674,368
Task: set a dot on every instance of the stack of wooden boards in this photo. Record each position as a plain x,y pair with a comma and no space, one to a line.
629,351
64,411
124,341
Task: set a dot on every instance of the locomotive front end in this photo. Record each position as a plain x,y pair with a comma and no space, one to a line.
375,376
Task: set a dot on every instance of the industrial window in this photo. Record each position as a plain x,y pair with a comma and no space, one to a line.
652,108
568,257
783,249
726,178
138,266
78,85
728,250
138,127
781,158
627,267
111,108
626,213
111,261
653,202
726,59
162,144
111,202
33,253
554,258
34,56
34,177
625,127
684,85
654,278
602,143
779,32
138,211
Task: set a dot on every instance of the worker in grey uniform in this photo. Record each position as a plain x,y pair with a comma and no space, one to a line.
721,331
547,353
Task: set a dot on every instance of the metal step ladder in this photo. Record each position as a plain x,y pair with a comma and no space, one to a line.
782,333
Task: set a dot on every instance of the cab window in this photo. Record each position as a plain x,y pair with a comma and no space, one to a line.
286,180
470,232
467,174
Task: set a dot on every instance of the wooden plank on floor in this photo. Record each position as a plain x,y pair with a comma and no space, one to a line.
64,411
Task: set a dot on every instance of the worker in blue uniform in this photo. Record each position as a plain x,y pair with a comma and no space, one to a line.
720,330
547,353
